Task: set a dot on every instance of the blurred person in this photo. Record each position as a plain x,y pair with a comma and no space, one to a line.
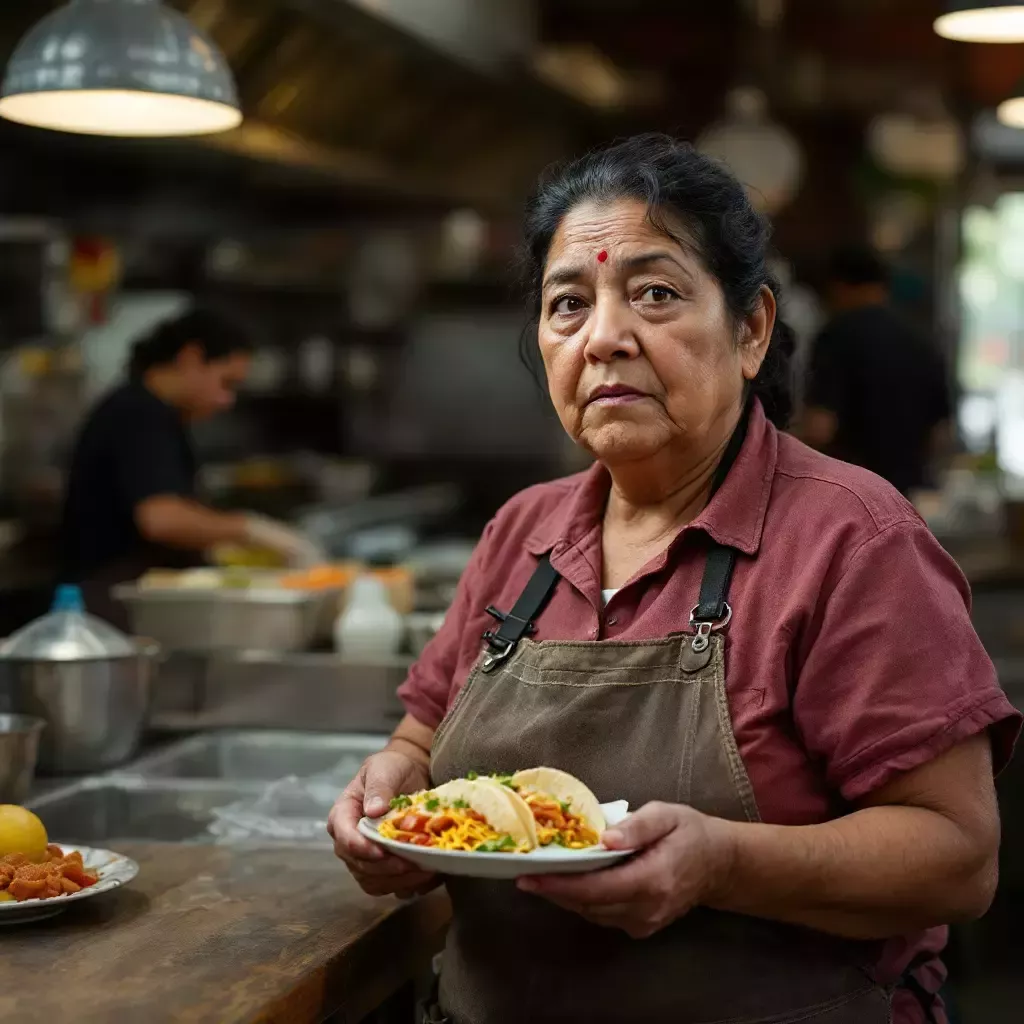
877,393
130,502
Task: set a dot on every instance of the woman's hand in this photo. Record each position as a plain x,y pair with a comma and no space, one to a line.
682,859
383,776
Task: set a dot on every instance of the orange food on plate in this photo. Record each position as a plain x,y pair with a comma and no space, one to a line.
59,874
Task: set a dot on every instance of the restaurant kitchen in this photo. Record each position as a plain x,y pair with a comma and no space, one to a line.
362,222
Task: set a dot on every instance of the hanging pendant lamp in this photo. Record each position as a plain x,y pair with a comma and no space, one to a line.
1011,111
981,21
119,67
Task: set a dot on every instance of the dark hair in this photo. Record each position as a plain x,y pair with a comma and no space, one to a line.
674,181
857,264
217,335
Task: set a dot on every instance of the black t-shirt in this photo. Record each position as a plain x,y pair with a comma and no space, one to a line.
132,447
888,388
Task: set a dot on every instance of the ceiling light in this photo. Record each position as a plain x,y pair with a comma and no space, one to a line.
1011,111
982,21
119,67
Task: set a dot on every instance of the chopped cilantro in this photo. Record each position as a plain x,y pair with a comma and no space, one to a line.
559,839
432,804
499,845
564,804
472,776
506,780
460,804
398,802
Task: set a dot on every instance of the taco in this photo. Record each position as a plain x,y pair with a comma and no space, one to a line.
460,815
562,809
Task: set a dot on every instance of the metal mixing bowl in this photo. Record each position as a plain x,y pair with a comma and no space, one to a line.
19,748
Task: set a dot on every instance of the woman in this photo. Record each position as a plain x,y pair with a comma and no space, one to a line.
810,750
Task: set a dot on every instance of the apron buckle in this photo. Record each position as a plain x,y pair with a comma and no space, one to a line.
704,629
496,655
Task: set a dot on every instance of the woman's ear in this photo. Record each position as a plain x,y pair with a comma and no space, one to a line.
756,333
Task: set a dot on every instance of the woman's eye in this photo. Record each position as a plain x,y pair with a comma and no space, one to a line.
658,293
567,305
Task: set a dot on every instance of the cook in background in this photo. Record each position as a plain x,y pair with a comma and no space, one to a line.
808,753
877,392
131,495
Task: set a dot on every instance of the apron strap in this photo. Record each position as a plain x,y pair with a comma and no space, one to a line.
712,610
518,622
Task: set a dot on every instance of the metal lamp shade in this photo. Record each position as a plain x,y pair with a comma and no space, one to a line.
119,67
982,21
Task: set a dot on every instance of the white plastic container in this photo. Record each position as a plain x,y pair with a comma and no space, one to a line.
368,627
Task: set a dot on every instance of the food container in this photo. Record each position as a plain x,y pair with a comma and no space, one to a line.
88,682
19,749
207,621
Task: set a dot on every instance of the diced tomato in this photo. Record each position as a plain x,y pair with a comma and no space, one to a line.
421,840
440,823
474,816
413,822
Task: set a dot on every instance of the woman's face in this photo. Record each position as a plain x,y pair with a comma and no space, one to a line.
640,350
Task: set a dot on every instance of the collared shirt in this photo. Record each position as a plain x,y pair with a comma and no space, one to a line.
850,656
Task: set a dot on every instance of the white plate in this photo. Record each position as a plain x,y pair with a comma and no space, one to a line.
113,869
545,860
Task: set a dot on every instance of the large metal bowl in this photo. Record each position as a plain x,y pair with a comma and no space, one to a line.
19,747
95,709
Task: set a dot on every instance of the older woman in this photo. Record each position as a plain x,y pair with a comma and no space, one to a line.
764,650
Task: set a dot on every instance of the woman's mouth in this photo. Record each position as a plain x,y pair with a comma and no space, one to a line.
615,394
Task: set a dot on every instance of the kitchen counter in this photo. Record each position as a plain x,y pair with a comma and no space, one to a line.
224,936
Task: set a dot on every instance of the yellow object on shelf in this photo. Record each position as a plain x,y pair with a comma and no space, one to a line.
21,832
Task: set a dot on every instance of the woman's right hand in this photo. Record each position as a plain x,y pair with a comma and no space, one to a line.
382,776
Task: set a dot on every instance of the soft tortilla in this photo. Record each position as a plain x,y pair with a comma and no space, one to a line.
494,802
565,787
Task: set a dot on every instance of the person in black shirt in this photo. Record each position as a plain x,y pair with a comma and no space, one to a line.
131,503
877,392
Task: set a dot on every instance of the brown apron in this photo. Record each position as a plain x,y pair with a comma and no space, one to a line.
639,721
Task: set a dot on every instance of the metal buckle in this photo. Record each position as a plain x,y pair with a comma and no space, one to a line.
701,637
495,657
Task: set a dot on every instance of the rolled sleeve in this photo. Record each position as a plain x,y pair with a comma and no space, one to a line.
896,674
426,690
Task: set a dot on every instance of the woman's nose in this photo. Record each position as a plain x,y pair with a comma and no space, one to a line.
611,333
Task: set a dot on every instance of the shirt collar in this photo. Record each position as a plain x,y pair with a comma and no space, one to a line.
734,516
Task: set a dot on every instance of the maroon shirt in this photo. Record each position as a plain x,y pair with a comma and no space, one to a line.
850,657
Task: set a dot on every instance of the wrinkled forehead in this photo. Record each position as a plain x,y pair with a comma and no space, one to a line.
595,232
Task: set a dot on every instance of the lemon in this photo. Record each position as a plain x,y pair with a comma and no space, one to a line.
21,832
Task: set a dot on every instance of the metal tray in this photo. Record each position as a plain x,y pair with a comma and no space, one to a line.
207,621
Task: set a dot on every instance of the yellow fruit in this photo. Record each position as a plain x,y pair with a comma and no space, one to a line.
6,897
21,832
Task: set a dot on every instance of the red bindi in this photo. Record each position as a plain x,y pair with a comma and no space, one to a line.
602,256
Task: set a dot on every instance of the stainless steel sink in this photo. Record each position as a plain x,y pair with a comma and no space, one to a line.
256,756
103,810
172,794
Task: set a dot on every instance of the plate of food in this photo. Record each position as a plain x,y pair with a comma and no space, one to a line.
541,821
39,879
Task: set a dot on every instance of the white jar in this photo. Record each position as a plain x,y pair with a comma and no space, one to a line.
368,627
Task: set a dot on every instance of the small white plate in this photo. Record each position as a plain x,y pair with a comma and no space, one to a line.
545,860
113,870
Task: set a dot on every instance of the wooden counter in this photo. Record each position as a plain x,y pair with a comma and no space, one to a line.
220,935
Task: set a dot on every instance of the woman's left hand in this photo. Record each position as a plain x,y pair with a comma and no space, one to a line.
683,860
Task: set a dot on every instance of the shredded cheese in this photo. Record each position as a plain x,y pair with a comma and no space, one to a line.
558,824
467,833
